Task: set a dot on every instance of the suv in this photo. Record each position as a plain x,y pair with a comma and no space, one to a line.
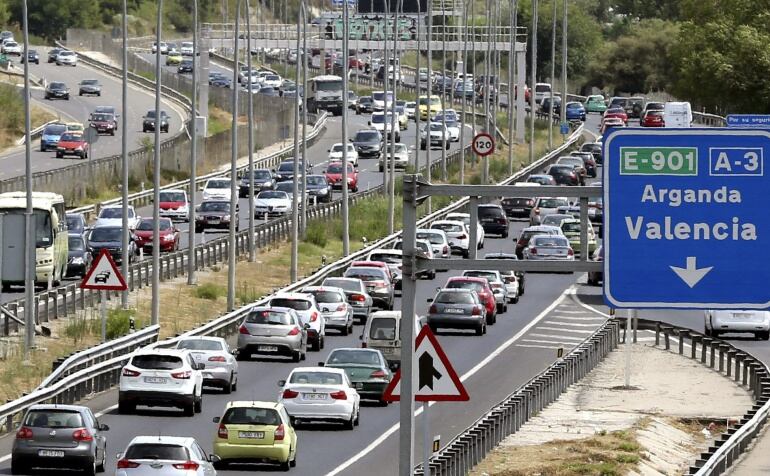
161,378
62,436
148,121
368,143
309,313
493,219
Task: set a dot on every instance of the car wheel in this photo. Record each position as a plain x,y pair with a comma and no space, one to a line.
59,156
89,469
126,408
284,466
316,346
466,254
350,424
516,299
358,417
100,467
198,406
344,331
500,308
189,409
505,234
18,467
229,386
480,329
80,93
765,335
323,342
296,356
293,462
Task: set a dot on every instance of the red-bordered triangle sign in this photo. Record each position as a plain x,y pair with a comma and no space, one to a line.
104,274
436,379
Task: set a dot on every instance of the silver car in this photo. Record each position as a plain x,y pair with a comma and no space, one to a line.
272,331
749,321
59,436
549,247
497,283
358,297
334,307
221,367
378,284
160,455
545,206
457,308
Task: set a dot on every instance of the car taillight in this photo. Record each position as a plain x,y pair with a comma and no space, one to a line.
314,317
182,375
340,395
340,308
378,374
24,433
446,249
187,465
279,433
476,311
533,251
243,330
501,221
81,434
290,393
363,345
462,237
571,252
358,298
294,331
127,464
130,373
433,309
530,202
217,358
222,431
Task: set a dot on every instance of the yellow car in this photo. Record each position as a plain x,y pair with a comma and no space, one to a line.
255,432
75,127
174,59
429,106
403,119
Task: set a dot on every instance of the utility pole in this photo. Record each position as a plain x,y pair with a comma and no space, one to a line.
462,95
124,262
443,86
485,96
193,149
156,177
392,165
563,115
430,77
417,104
303,220
250,132
345,204
386,79
29,243
295,178
533,80
552,106
231,257
512,91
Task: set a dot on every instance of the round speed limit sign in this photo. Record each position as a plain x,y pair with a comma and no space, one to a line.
483,144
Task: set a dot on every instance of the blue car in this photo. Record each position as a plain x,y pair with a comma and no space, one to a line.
51,135
576,111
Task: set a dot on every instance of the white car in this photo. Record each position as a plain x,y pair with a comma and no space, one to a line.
439,136
334,307
382,100
457,233
438,241
384,125
112,215
335,154
272,81
12,48
424,247
217,189
174,204
182,456
497,283
161,378
466,218
307,309
410,108
187,48
271,202
744,321
400,156
221,366
66,57
320,394
163,47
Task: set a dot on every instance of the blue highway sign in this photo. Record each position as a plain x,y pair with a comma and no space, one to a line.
686,222
758,121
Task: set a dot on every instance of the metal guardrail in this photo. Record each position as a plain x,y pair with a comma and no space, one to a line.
36,132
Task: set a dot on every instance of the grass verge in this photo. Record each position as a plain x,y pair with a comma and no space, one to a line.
12,119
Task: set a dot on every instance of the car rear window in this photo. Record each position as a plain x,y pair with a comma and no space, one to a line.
53,419
157,451
316,378
552,203
454,298
296,304
570,227
345,284
251,416
269,317
551,241
459,284
385,258
157,362
490,212
450,227
356,357
199,344
365,274
327,296
481,274
383,329
434,238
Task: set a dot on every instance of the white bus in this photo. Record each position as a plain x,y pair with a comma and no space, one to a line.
51,241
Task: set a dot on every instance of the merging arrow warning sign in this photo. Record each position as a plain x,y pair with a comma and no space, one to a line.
104,274
437,380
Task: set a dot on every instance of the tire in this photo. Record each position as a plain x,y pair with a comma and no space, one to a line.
480,331
344,331
505,234
516,299
765,335
126,408
89,469
198,229
501,308
229,386
198,404
350,424
284,466
293,462
323,342
296,356
316,346
59,156
100,467
80,93
358,418
220,465
466,254
189,409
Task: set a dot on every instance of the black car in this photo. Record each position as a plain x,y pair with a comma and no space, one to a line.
518,207
32,56
368,143
58,90
285,170
593,148
215,214
545,105
263,180
317,186
111,239
542,179
148,122
89,86
493,219
186,66
79,257
219,80
53,53
563,174
364,104
520,275
76,223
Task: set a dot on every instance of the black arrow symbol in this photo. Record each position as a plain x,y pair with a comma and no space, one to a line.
427,371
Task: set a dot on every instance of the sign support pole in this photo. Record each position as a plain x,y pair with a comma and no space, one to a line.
627,371
103,313
427,444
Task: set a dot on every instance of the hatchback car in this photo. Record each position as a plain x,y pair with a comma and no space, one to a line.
518,207
400,154
438,241
334,307
276,331
320,394
318,189
66,58
653,118
545,206
174,204
308,312
575,111
51,135
168,235
515,281
457,233
563,174
164,455
103,123
356,293
367,369
214,352
263,180
457,309
71,143
335,153
527,233
364,104
368,143
595,149
549,247
494,220
571,229
217,189
333,175
496,284
483,290
595,103
61,437
255,432
79,256
215,214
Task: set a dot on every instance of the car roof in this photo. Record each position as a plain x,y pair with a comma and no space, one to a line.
54,406
447,222
160,351
386,251
252,404
295,295
209,338
317,369
309,289
162,439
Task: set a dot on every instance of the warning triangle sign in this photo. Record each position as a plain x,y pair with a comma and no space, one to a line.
104,274
435,378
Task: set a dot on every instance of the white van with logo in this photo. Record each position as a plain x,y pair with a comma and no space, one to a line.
677,114
382,332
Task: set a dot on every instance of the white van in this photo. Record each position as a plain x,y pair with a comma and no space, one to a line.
541,91
677,114
382,332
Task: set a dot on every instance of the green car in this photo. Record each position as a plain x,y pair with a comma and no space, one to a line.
595,104
367,369
571,229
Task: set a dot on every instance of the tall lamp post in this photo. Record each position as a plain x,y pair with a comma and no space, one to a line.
124,158
193,149
29,243
155,314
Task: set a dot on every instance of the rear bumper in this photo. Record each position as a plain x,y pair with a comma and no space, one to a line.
252,453
155,399
455,322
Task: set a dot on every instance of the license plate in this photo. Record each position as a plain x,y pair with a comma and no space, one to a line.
155,379
51,453
257,435
487,220
388,351
359,385
267,348
517,209
314,396
214,221
455,311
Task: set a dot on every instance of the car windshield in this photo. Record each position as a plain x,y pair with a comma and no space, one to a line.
156,451
115,212
106,109
218,184
365,274
76,243
355,357
316,180
100,235
338,147
555,219
269,317
541,88
251,416
272,194
259,175
55,130
397,148
434,238
286,167
287,187
383,329
327,297
574,105
146,225
367,136
53,419
74,223
381,118
316,378
328,85
436,127
454,298
346,284
89,82
491,276
296,304
101,118
430,101
420,245
200,344
573,227
550,241
172,197
553,203
215,206
157,362
70,138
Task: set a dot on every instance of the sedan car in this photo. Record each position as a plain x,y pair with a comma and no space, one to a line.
185,66
575,111
174,204
364,104
217,189
611,122
174,58
216,214
57,90
89,86
263,180
59,436
515,281
112,215
149,119
107,110
549,247
738,320
563,174
254,432
111,239
334,307
72,144
496,284
400,153
368,143
595,149
367,369
333,175
318,188
272,202
336,151
457,309
164,455
163,47
527,233
169,234
272,330
482,288
378,284
457,233
439,136
653,118
221,367
595,103
357,295
320,394
67,58
32,56
10,47
616,112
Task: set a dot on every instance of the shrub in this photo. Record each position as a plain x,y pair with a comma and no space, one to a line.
209,291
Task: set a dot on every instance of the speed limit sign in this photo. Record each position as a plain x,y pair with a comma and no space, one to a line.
483,144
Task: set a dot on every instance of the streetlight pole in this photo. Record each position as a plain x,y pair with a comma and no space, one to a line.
250,122
393,124
29,242
303,220
563,115
430,76
156,176
345,205
485,96
553,77
295,177
417,103
386,79
443,86
533,78
124,264
231,257
193,149
462,95
511,89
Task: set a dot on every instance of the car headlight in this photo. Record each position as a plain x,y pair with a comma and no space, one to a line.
168,237
226,218
77,260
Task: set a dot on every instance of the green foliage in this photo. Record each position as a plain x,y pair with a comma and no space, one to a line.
209,291
12,105
316,234
119,322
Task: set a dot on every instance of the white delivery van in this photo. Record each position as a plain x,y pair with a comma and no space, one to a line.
382,332
677,114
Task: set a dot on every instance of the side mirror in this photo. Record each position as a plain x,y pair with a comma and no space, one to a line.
104,427
216,419
235,352
429,299
321,364
212,458
281,383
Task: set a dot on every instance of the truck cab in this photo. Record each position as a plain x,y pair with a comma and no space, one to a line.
326,93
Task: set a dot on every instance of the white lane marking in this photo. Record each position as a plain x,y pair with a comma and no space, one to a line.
549,336
569,324
346,464
569,311
541,341
571,331
5,458
532,346
583,318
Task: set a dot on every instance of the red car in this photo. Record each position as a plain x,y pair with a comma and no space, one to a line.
72,144
616,112
653,118
169,235
103,123
481,286
334,176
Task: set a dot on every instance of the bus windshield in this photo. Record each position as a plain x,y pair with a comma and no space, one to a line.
329,85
